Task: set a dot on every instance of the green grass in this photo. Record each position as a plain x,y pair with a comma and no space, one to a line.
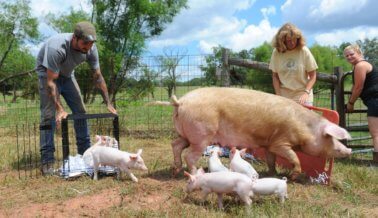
353,191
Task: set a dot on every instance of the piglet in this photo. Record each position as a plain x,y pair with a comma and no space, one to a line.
101,155
106,141
215,164
238,164
220,183
268,186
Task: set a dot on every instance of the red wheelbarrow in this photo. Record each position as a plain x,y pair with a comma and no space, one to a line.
319,169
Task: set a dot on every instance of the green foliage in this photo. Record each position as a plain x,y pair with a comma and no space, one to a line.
66,23
16,22
262,53
17,26
327,58
124,26
144,85
257,79
169,63
213,61
369,48
239,75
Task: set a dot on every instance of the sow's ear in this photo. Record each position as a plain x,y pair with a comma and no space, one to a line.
336,131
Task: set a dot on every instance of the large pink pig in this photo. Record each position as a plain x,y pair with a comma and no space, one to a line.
249,119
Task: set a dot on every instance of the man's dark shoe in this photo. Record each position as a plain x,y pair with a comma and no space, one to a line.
47,169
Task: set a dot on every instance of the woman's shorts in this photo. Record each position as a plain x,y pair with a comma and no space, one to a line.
372,105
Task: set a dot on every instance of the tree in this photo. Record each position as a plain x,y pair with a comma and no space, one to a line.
143,84
213,62
17,27
369,48
258,79
169,62
124,26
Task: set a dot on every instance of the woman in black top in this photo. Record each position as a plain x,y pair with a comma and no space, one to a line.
365,85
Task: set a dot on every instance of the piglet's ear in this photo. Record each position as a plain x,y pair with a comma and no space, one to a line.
336,131
233,150
98,137
187,174
200,171
133,157
243,151
139,152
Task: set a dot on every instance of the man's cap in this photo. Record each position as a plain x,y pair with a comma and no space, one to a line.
86,31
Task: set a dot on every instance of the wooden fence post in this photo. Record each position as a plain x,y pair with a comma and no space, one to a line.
339,90
225,73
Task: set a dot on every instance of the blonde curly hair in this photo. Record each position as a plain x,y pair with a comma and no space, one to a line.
356,48
288,29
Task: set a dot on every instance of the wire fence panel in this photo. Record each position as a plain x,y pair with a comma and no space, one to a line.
152,80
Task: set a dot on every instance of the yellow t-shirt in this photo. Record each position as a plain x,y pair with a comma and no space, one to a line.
292,67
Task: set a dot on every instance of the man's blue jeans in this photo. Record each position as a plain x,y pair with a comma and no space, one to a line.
69,89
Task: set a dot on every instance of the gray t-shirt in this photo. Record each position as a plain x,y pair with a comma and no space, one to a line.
57,55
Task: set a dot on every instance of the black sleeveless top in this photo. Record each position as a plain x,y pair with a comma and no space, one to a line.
370,85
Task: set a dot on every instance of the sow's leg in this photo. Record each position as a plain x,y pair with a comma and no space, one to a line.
289,154
271,161
194,155
178,145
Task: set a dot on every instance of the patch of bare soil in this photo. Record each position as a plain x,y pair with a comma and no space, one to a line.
90,206
147,195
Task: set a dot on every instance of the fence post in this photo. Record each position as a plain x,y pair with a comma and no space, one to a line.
339,90
65,140
116,130
225,75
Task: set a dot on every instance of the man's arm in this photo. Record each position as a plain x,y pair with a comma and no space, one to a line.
101,84
55,96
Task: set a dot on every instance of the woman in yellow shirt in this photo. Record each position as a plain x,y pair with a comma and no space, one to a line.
293,65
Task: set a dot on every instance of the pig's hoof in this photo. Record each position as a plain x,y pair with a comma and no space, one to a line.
176,171
272,172
299,177
294,176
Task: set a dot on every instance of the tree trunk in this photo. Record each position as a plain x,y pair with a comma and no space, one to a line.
14,93
7,52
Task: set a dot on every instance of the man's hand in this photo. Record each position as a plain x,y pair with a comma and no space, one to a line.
60,115
111,109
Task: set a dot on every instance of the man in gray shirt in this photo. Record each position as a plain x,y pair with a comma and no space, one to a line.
56,62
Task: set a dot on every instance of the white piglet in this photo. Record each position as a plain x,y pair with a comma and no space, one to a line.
238,164
215,164
220,183
269,186
106,141
101,155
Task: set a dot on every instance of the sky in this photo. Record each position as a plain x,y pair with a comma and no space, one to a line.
245,24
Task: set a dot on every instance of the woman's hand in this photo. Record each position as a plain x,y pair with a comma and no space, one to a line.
349,107
304,98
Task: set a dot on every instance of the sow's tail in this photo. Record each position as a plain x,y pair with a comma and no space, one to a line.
174,102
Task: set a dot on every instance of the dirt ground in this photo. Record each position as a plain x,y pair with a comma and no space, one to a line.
94,204
158,194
